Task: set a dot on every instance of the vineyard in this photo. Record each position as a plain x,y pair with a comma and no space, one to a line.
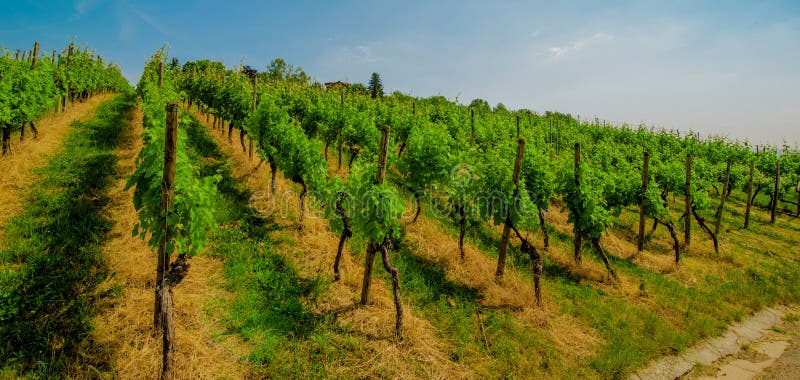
31,85
512,244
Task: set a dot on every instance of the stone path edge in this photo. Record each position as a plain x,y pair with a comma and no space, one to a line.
710,350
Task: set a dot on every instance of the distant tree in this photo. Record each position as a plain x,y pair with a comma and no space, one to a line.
375,86
358,89
480,105
175,64
279,70
401,96
500,107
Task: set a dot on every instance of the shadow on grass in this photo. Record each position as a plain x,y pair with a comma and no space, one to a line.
270,308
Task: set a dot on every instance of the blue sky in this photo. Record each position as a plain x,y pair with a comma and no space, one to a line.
717,67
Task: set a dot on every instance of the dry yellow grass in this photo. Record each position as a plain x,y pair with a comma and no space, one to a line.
573,338
312,252
18,169
123,329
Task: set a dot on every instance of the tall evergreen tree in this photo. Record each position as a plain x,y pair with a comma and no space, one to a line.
375,86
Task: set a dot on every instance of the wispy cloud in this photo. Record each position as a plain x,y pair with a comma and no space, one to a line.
555,53
362,53
132,20
150,20
82,7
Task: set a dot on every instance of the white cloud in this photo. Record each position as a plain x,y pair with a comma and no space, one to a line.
556,53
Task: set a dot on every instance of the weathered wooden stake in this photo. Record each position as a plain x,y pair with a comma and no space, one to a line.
383,246
578,243
167,195
775,194
161,77
749,196
167,333
687,199
472,121
35,54
339,137
725,190
67,86
255,103
797,189
645,181
373,247
501,258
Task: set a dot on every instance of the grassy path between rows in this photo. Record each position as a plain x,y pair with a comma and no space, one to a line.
298,323
51,263
17,170
123,332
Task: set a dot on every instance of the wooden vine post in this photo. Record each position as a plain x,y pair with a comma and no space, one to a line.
797,189
775,193
501,258
35,54
35,57
160,75
383,246
558,139
645,180
578,243
341,127
163,315
67,86
749,196
725,190
472,121
550,140
687,199
255,102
